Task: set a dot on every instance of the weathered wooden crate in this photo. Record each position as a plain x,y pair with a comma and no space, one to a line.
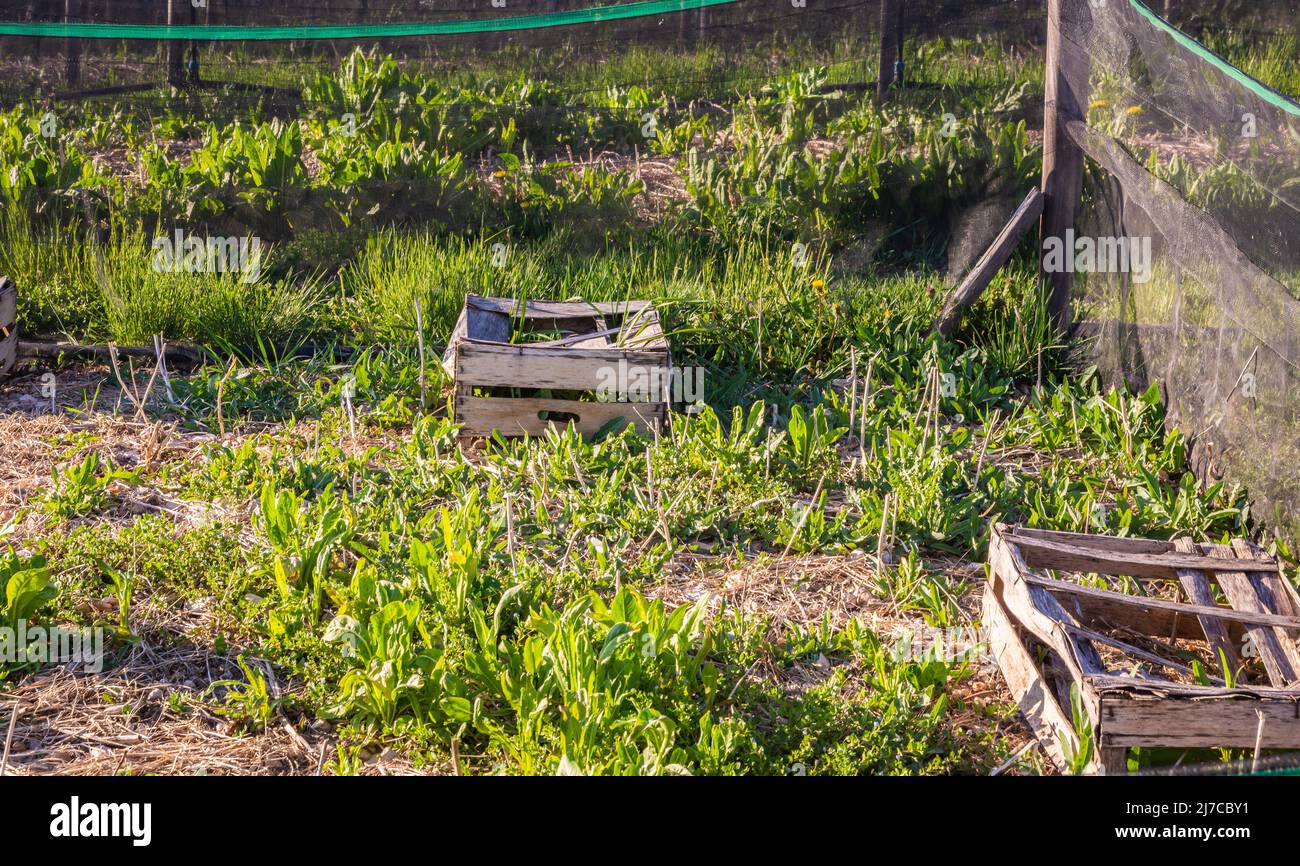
574,348
1057,615
8,325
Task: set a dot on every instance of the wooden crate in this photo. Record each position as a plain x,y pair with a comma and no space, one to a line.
596,341
1057,615
8,325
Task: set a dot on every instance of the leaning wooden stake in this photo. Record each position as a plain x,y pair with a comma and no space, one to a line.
994,258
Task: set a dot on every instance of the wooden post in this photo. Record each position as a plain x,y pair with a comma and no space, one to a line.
175,49
889,15
71,11
1067,69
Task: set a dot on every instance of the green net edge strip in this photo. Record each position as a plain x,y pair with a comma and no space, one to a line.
221,33
1260,89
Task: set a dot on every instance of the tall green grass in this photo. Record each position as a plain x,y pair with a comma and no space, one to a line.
108,289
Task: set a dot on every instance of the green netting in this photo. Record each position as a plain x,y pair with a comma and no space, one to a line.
1200,163
250,33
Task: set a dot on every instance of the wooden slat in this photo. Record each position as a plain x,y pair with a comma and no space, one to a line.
1039,553
1276,591
1150,621
1192,611
1046,719
1204,723
555,309
1135,651
566,368
1105,684
994,258
457,335
1271,643
1198,589
1112,543
479,416
487,325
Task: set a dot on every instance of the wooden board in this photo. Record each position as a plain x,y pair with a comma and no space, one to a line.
1193,611
1111,543
8,352
1025,680
1199,723
1040,553
479,416
568,368
1271,643
994,258
1036,610
1199,592
555,309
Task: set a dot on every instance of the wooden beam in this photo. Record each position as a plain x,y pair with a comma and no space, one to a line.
557,368
1114,543
515,416
1271,643
175,48
1065,84
1190,610
994,258
72,72
1048,721
1040,553
1198,589
890,13
1202,723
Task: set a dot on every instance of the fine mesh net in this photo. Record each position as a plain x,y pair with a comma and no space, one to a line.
704,48
1202,162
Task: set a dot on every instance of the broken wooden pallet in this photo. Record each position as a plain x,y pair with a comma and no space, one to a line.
8,325
518,370
1148,668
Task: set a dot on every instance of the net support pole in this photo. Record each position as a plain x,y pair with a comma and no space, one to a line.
1066,75
175,48
72,70
890,16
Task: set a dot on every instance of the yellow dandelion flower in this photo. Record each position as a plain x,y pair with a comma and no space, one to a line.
819,284
1133,109
1098,103
500,173
889,314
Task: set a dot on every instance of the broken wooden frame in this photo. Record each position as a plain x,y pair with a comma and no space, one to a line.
598,340
1048,634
